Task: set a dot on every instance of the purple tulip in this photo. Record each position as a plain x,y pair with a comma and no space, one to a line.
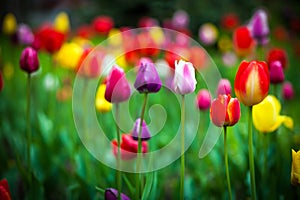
203,100
145,133
117,86
224,87
276,72
184,81
180,19
259,27
25,35
29,61
147,79
112,194
287,90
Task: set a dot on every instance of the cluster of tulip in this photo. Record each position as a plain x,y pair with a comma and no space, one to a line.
122,49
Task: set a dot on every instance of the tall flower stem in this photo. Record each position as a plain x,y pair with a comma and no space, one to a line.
226,162
28,129
119,173
251,158
138,176
182,149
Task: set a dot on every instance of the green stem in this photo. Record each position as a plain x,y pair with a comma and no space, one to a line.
226,163
251,158
265,166
138,166
119,173
28,128
182,149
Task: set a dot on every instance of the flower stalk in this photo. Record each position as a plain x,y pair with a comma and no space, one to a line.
182,149
251,158
226,162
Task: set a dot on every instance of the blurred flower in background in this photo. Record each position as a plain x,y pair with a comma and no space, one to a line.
287,90
208,33
9,25
295,169
203,99
4,190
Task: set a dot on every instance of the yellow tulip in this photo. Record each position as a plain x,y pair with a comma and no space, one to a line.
115,37
102,105
295,172
61,22
68,55
157,35
9,26
266,115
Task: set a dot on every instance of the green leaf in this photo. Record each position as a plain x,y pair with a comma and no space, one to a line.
148,185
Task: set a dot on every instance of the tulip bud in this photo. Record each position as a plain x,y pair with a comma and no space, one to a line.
203,99
101,104
224,87
225,111
276,72
252,81
277,54
295,172
259,27
145,133
29,61
9,25
25,35
243,42
4,190
61,22
117,86
184,81
129,147
287,91
147,79
112,194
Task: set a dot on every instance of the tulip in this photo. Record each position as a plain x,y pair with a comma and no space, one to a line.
277,54
184,81
25,35
243,42
9,25
224,87
252,82
103,24
4,190
225,111
117,86
1,81
180,19
230,21
145,133
203,99
147,79
145,22
102,105
69,55
266,115
259,27
287,91
29,60
49,39
295,171
276,72
208,34
128,147
61,22
112,194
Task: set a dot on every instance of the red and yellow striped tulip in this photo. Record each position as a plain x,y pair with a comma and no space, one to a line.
252,81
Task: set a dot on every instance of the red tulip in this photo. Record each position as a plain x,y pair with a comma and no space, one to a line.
103,24
49,39
252,81
242,41
230,21
277,54
225,111
4,190
129,147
